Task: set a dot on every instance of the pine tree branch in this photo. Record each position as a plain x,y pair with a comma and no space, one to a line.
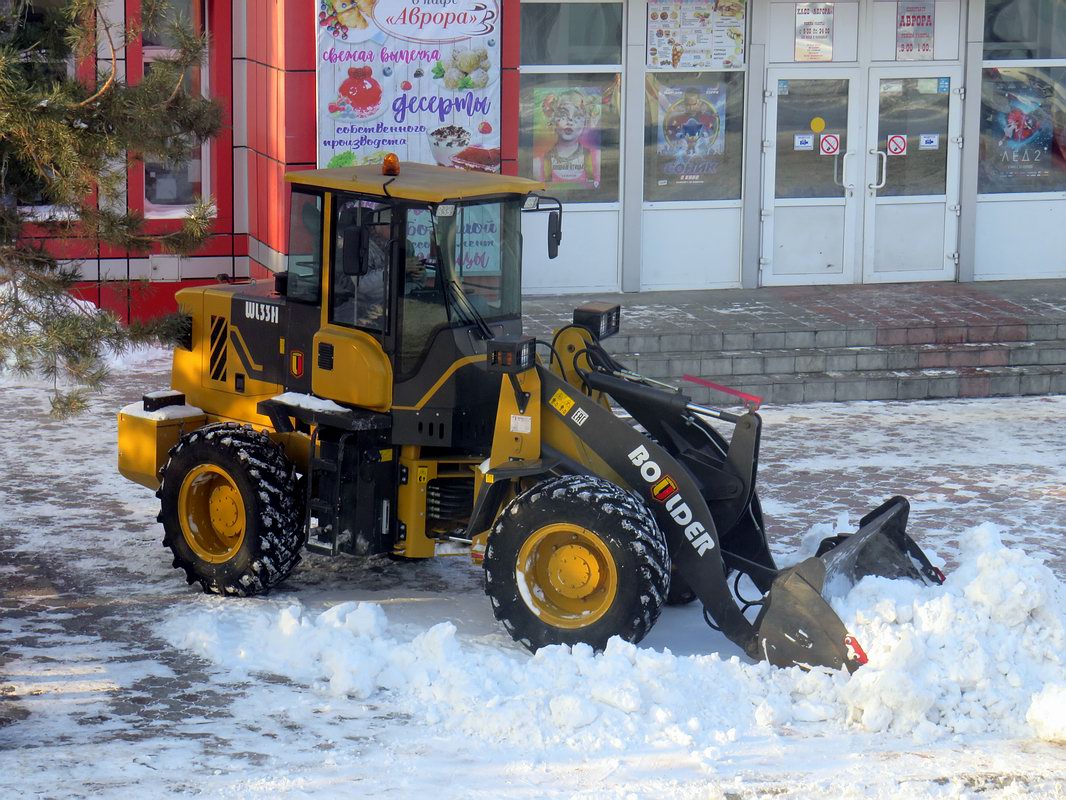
114,67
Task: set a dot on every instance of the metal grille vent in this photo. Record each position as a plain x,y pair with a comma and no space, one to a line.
325,355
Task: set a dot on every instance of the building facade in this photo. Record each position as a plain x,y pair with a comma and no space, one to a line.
696,144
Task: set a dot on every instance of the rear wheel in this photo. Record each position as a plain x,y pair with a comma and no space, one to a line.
576,559
230,511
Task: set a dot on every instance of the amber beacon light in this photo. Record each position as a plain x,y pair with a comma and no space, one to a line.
390,165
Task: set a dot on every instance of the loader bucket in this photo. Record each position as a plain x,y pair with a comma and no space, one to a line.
880,547
797,625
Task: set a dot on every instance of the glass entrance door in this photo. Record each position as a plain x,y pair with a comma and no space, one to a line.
810,208
910,216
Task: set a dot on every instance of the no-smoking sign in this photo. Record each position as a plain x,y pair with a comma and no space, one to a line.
897,144
829,144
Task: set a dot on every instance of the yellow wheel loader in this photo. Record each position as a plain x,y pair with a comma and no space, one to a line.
379,397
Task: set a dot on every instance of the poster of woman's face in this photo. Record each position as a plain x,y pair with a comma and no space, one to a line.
568,135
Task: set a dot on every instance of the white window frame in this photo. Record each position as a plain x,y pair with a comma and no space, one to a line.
592,69
150,53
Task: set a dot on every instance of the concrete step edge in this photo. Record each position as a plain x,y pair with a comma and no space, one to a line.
836,336
851,359
890,385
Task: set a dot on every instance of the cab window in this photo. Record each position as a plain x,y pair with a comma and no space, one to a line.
424,306
361,301
304,262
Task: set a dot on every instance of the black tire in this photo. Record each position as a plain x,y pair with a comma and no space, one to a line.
623,533
264,543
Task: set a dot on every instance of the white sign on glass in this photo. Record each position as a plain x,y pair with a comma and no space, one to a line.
897,144
803,141
814,32
914,30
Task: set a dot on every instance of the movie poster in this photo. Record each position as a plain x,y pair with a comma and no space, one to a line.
566,138
413,77
687,119
1017,132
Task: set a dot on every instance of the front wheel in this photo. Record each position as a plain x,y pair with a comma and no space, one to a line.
576,559
230,510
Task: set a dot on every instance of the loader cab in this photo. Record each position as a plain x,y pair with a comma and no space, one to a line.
405,288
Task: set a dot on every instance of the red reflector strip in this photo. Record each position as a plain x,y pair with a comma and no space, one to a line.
855,651
751,399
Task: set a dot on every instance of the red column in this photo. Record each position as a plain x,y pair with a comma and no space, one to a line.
281,121
510,47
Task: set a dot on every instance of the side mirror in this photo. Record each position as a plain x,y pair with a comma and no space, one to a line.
354,245
555,233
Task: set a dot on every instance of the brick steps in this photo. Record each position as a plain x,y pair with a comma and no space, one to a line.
866,364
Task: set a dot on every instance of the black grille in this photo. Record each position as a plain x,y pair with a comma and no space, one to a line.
449,499
219,337
325,356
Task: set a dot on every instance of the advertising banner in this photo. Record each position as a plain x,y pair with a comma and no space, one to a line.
814,32
419,78
914,30
695,34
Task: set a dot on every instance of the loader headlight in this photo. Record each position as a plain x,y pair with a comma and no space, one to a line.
602,319
511,354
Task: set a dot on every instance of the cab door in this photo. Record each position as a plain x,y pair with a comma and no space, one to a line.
353,336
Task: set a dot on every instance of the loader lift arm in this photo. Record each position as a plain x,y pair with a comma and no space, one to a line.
701,490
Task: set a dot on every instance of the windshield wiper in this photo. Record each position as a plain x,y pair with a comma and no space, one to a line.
462,306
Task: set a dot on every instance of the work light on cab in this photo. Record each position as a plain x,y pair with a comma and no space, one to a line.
510,354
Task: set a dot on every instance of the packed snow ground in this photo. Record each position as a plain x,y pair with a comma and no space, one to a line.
377,679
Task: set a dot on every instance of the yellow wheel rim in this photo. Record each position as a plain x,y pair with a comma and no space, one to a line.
566,575
212,513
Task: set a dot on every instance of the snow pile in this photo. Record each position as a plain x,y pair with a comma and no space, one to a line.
978,655
967,658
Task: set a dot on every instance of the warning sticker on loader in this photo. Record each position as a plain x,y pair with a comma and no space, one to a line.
521,424
561,402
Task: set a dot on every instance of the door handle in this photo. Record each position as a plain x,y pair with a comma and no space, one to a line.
884,169
844,171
